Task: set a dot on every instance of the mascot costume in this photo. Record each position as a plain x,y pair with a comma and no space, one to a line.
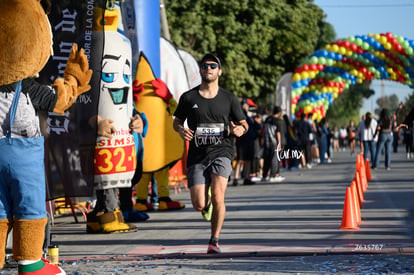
26,43
163,146
115,151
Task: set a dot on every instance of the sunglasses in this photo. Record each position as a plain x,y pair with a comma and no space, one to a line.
212,65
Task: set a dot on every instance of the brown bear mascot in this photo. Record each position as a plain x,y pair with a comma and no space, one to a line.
25,47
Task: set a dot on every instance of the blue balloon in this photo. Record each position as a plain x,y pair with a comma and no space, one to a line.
296,84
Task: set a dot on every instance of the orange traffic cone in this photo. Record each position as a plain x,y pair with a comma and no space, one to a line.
355,200
358,162
363,175
360,190
368,170
348,216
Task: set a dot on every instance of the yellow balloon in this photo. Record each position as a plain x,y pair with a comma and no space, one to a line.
377,36
312,74
296,77
335,48
354,72
387,46
307,109
304,75
383,40
319,116
342,50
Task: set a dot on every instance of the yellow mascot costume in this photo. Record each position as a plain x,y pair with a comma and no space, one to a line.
163,146
25,47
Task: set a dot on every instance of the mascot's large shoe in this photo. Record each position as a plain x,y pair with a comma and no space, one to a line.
166,203
143,206
111,222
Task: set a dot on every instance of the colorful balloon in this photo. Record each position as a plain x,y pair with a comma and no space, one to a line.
341,64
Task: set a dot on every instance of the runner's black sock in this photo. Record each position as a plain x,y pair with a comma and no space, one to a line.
214,241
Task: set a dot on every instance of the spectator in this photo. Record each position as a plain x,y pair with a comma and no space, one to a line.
256,169
342,137
351,130
396,136
323,140
245,150
313,139
367,129
409,139
303,131
385,138
335,140
273,142
291,145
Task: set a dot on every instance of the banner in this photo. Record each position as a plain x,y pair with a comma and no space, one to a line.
69,138
179,70
283,94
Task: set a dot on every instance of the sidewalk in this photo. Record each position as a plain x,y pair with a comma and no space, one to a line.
279,228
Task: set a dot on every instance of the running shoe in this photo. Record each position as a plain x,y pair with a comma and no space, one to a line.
213,249
277,179
208,211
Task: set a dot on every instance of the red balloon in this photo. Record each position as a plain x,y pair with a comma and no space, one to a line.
354,47
389,35
347,44
363,70
305,67
398,47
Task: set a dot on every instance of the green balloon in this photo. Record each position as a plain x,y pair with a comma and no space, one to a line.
314,60
322,60
365,46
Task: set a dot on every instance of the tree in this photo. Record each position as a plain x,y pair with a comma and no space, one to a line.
257,40
390,102
348,104
406,115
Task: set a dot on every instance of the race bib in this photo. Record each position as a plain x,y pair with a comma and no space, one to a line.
209,134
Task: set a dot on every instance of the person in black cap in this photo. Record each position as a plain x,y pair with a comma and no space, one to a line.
210,57
214,116
274,140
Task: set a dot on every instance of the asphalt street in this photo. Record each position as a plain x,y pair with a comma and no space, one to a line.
289,227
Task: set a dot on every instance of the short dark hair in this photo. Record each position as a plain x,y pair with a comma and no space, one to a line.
277,110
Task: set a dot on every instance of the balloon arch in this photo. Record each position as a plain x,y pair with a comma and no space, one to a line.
327,72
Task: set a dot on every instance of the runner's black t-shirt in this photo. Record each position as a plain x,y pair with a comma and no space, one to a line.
209,118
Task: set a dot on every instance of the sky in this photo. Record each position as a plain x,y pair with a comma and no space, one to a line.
361,17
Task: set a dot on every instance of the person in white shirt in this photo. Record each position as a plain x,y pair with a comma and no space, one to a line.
368,139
